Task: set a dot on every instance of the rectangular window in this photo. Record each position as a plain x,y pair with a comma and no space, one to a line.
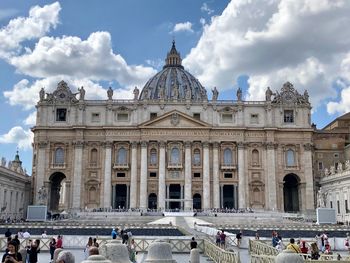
226,117
120,174
338,206
122,116
254,118
95,117
346,206
288,116
152,174
197,116
197,175
152,115
331,204
227,175
320,166
61,114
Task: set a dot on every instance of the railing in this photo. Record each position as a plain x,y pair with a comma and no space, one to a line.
262,259
259,248
220,255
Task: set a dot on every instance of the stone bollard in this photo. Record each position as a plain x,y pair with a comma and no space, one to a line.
115,251
55,254
160,252
289,256
194,256
96,258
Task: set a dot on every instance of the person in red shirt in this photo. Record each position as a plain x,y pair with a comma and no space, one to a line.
304,249
59,243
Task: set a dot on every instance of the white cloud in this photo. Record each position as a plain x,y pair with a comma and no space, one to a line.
71,56
36,25
202,21
273,42
205,8
185,26
31,119
23,138
26,93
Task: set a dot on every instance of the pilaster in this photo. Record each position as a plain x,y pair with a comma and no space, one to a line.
161,181
133,175
206,177
143,179
216,185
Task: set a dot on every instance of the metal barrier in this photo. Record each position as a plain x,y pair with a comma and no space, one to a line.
220,255
259,248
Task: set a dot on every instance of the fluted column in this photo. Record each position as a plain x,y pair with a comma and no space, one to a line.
216,185
107,182
161,181
40,172
271,176
309,205
206,177
133,175
143,179
241,176
188,176
78,166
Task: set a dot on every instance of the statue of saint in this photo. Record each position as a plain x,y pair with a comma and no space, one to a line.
347,165
320,202
3,162
110,93
239,94
42,94
136,93
268,94
215,94
188,93
161,93
81,93
306,96
175,92
42,195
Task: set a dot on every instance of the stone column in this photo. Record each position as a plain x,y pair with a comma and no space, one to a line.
78,169
271,176
161,181
188,176
113,196
309,197
40,172
206,177
107,182
143,177
216,185
167,196
221,196
133,175
241,177
68,196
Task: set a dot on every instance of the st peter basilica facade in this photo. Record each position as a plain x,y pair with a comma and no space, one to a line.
171,148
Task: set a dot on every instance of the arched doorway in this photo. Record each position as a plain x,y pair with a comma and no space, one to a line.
55,189
197,202
291,193
152,201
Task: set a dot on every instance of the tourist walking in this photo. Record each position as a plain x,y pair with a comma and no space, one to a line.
315,254
114,233
87,247
59,243
8,233
33,251
257,236
239,238
26,234
52,246
217,238
11,255
223,240
95,244
193,243
16,240
132,251
319,241
347,242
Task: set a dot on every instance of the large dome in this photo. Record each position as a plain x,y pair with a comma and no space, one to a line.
173,82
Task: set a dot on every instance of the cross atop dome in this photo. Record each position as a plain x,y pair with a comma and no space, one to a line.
173,58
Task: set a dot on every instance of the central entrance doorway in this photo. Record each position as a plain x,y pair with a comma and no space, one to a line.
56,180
291,193
175,193
228,197
120,196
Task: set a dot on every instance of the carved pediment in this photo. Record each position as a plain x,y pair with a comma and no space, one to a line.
289,95
175,119
62,94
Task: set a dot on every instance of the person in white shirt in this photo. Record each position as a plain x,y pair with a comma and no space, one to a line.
26,234
44,235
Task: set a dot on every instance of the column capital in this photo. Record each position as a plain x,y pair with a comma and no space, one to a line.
216,145
308,146
241,145
205,144
134,145
162,144
108,144
188,144
42,144
271,145
78,144
144,144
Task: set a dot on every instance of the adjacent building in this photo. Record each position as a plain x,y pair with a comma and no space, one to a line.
15,189
171,147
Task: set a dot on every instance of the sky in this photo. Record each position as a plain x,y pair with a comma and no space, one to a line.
225,44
